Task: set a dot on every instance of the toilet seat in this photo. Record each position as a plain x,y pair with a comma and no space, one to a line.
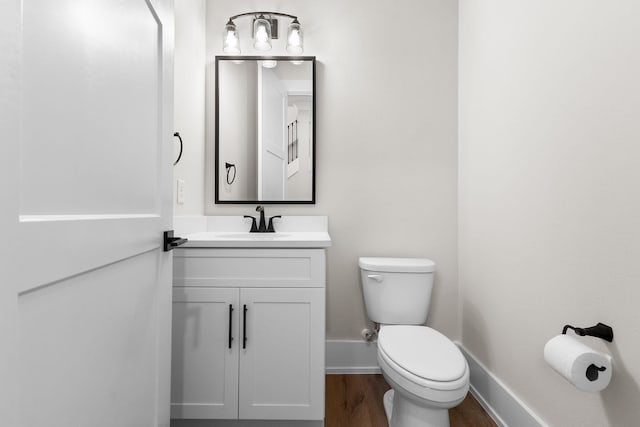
423,352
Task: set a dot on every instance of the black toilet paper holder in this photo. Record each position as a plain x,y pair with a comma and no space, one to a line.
601,330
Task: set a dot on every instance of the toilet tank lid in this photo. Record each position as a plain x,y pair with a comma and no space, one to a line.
397,265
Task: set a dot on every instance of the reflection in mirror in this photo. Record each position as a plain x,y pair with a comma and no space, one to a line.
265,122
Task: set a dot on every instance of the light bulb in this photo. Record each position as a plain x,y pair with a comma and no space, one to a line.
261,35
231,40
294,38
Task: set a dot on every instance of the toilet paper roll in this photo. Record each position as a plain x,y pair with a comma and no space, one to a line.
582,366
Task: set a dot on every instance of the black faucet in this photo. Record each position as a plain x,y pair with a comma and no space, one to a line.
262,226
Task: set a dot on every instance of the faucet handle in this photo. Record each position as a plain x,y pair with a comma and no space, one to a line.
270,228
254,227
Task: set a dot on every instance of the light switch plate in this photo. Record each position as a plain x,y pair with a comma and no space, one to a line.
180,191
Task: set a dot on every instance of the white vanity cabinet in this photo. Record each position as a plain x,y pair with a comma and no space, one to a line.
248,334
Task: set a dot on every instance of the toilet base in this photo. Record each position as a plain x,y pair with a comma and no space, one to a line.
387,401
402,412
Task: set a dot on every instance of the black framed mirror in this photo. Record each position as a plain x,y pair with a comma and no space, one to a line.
265,129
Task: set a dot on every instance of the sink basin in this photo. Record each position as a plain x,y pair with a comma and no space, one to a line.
294,239
252,236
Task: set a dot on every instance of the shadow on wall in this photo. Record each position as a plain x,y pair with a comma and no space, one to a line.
620,400
473,325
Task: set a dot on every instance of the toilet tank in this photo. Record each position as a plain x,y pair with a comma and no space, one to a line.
397,291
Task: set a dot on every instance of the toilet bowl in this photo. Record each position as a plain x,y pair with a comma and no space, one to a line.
426,371
427,374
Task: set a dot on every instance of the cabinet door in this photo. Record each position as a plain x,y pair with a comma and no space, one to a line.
204,365
282,362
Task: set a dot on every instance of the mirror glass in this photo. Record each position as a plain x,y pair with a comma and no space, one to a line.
265,120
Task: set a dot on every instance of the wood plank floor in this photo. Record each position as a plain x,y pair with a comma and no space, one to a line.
356,401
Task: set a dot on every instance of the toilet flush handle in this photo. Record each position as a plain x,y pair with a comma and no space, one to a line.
378,278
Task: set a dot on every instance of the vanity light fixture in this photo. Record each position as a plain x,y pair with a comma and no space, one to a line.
265,29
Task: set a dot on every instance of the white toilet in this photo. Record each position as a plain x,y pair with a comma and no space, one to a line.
427,372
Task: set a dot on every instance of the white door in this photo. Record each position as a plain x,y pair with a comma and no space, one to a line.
272,142
282,361
86,115
204,363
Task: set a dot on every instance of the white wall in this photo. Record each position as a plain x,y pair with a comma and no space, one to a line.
386,139
548,198
189,101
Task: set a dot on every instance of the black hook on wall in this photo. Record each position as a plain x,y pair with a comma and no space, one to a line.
229,166
179,155
601,330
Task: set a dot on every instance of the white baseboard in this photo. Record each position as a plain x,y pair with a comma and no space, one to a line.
351,357
500,403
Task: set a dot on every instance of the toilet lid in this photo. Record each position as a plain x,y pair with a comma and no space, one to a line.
423,352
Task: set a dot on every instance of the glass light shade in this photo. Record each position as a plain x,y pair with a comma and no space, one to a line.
261,33
295,38
230,39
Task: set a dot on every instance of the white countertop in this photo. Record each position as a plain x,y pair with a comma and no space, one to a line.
212,239
233,232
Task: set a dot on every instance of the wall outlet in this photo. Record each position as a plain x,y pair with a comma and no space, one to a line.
180,192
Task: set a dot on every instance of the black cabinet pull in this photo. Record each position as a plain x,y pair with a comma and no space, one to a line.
230,324
244,327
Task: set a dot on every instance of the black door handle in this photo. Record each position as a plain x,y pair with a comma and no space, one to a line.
171,242
244,327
